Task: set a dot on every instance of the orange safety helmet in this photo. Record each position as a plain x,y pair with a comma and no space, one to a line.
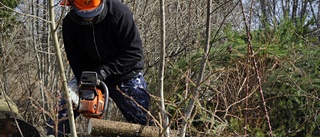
85,8
86,5
82,4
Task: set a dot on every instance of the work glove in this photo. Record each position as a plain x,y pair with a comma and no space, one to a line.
102,75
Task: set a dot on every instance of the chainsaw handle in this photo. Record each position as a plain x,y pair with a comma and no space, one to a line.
106,100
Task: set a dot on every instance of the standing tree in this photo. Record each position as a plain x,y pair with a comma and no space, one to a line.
165,119
62,70
195,93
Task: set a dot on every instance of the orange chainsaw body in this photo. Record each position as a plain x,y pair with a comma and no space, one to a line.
93,104
93,95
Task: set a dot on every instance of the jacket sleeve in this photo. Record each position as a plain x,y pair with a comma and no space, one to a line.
127,38
73,48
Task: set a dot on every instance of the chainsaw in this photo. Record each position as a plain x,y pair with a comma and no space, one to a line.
91,97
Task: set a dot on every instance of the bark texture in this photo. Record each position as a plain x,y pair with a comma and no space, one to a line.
99,127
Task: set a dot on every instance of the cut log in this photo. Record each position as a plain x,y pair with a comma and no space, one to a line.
100,127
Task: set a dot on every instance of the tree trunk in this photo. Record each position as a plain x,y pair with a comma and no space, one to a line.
61,68
294,10
195,93
165,119
100,127
264,20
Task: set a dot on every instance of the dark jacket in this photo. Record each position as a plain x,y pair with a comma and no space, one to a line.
113,44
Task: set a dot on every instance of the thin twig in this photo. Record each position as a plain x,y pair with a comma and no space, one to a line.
118,89
24,14
251,52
